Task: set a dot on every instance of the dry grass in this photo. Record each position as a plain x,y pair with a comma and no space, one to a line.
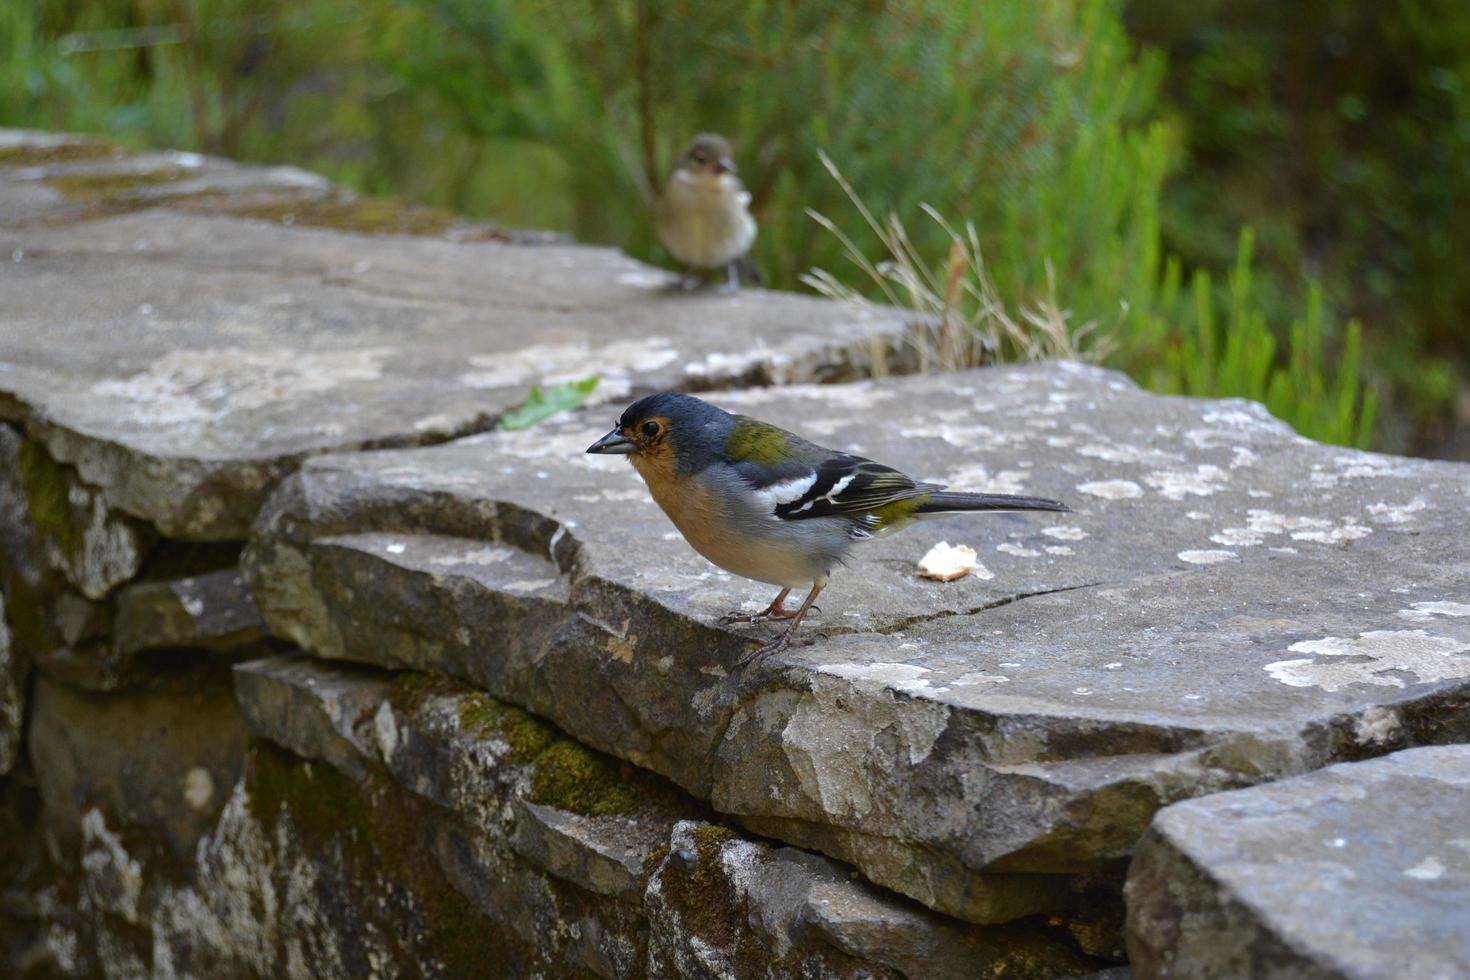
967,321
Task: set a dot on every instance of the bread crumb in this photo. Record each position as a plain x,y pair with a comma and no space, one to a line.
946,562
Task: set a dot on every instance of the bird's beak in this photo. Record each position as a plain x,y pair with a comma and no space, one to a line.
613,444
725,166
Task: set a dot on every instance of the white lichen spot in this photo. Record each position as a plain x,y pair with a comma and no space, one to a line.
1206,557
395,547
1015,549
979,679
1064,532
1424,612
196,387
1242,457
1058,549
1202,481
1336,535
1375,658
1198,515
1428,869
1384,513
908,678
193,605
385,731
528,584
978,479
198,789
1126,453
1111,489
476,556
550,364
1377,726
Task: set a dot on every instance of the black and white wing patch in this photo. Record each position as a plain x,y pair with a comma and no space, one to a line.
842,486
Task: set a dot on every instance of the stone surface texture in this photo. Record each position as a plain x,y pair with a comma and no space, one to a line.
210,354
1228,604
1357,870
308,670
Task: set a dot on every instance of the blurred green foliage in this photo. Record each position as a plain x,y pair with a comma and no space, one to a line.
1079,158
1340,132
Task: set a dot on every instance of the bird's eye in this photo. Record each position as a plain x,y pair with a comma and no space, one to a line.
651,428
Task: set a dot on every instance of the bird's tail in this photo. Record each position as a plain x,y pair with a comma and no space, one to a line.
944,502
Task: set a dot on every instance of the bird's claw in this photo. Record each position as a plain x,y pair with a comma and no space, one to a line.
780,643
760,617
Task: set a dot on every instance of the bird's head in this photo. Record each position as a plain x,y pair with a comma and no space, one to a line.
707,155
669,425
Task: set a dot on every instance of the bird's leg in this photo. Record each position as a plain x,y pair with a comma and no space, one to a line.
774,611
788,635
732,277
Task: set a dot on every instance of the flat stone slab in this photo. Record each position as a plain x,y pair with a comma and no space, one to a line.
661,891
1358,870
206,356
1229,604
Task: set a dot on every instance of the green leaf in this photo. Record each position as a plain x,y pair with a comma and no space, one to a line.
540,405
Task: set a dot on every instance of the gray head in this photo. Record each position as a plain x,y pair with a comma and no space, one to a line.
707,154
681,426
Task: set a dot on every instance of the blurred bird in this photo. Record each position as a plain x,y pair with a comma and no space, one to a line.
768,505
702,215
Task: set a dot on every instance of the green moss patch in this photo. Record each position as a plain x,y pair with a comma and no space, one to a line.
706,902
572,777
527,736
39,155
362,215
46,485
99,187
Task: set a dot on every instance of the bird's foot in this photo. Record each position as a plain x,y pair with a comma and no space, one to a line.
729,287
769,614
785,641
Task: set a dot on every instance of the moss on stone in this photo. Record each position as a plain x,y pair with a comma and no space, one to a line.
702,895
363,215
527,736
47,486
35,155
95,187
412,688
375,835
571,777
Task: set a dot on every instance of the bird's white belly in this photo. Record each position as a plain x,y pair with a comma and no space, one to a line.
705,227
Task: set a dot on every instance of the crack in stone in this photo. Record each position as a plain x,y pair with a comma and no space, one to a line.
912,621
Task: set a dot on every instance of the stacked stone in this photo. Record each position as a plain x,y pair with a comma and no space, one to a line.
305,670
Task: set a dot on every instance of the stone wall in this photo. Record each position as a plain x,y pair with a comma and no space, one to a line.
305,670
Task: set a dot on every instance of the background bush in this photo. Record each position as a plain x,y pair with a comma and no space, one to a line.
1126,170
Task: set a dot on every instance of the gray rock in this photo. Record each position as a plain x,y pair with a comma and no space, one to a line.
14,672
213,611
209,355
605,855
526,811
1358,870
1229,604
74,530
160,760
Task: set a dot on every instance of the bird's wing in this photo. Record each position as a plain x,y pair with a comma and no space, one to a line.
797,480
846,485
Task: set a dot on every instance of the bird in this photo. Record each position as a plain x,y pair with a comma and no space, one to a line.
702,215
767,504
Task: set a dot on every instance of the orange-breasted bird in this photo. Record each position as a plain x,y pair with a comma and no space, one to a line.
767,504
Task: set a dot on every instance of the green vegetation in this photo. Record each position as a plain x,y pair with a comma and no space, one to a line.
1090,169
541,404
